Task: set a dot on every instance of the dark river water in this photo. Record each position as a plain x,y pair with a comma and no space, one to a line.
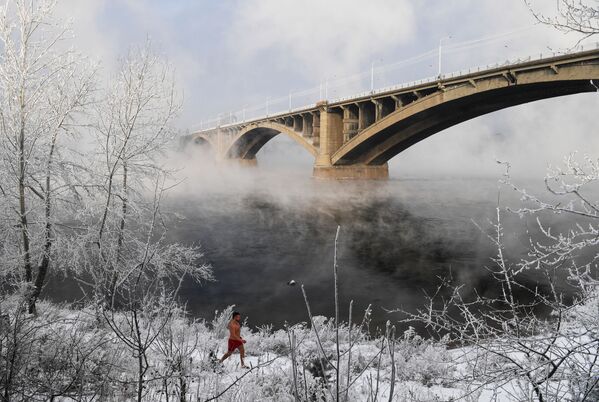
397,238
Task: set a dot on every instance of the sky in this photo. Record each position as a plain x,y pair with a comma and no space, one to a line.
236,54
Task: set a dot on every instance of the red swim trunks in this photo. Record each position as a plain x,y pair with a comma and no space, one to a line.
234,344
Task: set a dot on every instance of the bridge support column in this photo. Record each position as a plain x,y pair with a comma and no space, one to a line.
398,102
331,139
331,134
298,124
316,129
307,125
378,109
350,122
352,172
366,115
220,143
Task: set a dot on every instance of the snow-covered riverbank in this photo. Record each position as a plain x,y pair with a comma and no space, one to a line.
73,354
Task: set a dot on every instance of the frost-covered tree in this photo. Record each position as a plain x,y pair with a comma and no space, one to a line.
534,341
88,206
123,247
44,86
581,16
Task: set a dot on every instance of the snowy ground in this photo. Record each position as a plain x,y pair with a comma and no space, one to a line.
74,355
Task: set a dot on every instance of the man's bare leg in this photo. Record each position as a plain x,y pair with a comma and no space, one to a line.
241,356
225,356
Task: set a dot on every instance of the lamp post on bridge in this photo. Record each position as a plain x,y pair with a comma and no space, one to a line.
372,77
372,73
326,89
440,44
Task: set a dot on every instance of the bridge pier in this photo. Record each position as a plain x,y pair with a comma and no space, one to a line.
243,163
337,125
352,172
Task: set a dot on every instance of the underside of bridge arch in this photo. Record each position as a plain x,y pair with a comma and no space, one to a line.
202,142
405,127
197,140
248,142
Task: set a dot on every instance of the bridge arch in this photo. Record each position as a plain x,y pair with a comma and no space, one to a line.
249,140
431,114
203,140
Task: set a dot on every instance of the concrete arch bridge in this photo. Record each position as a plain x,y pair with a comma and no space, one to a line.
353,138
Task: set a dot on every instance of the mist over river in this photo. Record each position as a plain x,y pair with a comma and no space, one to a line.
261,227
397,238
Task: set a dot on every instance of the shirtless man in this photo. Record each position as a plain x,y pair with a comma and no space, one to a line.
235,340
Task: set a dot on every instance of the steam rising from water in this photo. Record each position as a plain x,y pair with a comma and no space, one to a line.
262,227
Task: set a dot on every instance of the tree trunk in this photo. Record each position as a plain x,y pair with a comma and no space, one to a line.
42,270
23,224
121,236
140,378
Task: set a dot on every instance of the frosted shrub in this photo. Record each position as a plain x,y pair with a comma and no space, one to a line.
56,354
507,348
220,321
422,360
175,346
268,342
77,358
277,385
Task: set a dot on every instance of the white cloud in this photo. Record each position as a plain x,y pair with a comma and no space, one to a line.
320,37
91,38
97,36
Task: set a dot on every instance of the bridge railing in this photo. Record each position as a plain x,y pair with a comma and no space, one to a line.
306,100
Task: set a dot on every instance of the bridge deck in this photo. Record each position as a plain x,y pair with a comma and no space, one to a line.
356,136
423,85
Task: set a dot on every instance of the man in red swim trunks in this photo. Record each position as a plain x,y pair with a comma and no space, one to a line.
235,340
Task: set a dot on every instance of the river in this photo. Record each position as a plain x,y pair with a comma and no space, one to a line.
397,239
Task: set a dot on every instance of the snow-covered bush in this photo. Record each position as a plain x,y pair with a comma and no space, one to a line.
266,341
57,354
220,321
423,360
67,352
507,347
